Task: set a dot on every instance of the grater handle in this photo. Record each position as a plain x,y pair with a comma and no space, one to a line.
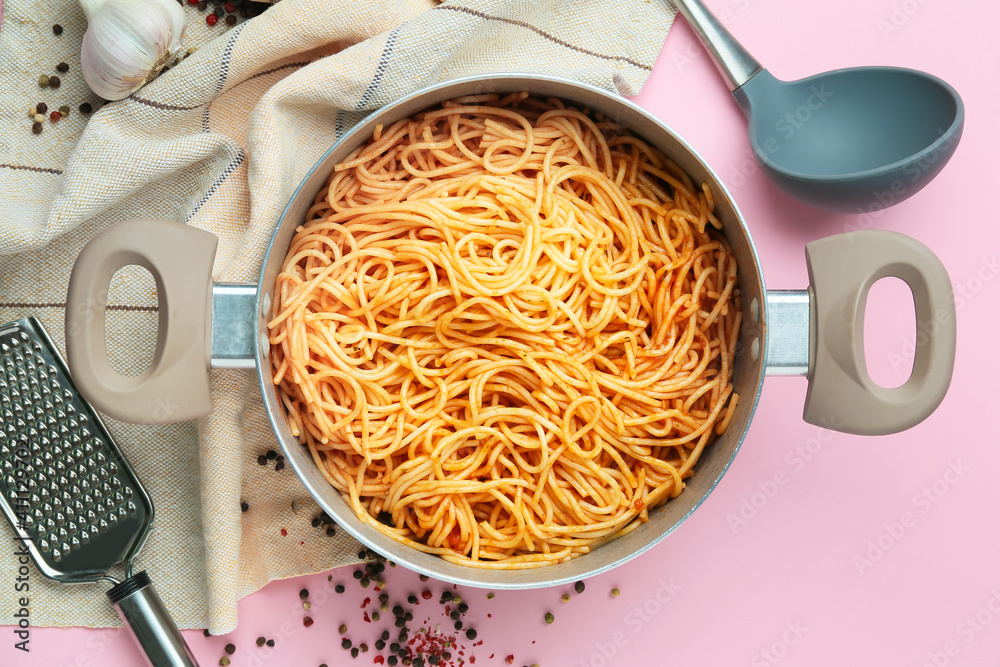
176,385
150,624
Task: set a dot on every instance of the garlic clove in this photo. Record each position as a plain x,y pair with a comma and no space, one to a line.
127,43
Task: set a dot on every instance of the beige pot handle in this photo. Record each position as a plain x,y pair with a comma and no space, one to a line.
175,388
842,396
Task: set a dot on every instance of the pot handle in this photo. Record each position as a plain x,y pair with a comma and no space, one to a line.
176,385
841,394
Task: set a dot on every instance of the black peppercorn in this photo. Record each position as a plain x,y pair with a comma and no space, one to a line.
231,20
54,81
345,642
86,108
62,67
244,506
57,29
36,128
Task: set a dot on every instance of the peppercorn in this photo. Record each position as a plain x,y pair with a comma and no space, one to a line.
379,644
418,662
463,607
339,588
354,652
262,460
433,659
224,661
229,7
270,642
62,67
376,617
358,574
458,625
244,506
424,577
400,621
260,641
403,635
38,118
57,29
54,81
412,599
331,531
363,647
409,616
85,108
471,634
315,522
219,12
385,635
36,128
397,610
304,593
202,5
394,647
55,116
43,80
307,621
42,107
230,648
447,596
365,581
206,632
615,592
391,660
579,587
345,642
549,617
212,19
280,465
490,596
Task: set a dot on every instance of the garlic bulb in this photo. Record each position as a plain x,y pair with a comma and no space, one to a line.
128,42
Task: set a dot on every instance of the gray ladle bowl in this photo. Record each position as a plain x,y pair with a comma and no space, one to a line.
851,140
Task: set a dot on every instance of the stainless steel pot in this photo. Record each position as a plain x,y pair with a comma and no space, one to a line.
816,332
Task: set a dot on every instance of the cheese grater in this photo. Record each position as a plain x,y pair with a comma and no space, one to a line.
68,492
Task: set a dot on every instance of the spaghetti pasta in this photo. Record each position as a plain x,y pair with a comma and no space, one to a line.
506,331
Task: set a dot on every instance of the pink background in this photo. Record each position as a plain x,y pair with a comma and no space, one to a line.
823,570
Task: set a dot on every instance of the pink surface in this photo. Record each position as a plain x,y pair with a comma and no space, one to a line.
817,548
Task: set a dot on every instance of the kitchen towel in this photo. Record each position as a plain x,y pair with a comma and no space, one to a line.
219,142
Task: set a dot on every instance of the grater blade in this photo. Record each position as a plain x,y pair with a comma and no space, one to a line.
64,485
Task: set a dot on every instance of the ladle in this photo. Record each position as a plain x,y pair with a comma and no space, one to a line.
852,140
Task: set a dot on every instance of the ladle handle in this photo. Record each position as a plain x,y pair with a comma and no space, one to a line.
733,61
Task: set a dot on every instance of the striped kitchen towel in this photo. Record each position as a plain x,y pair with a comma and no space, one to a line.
219,142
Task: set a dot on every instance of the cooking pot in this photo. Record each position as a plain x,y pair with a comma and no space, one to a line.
816,332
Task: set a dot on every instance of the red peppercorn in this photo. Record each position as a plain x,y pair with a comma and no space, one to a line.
211,19
229,7
55,116
192,2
